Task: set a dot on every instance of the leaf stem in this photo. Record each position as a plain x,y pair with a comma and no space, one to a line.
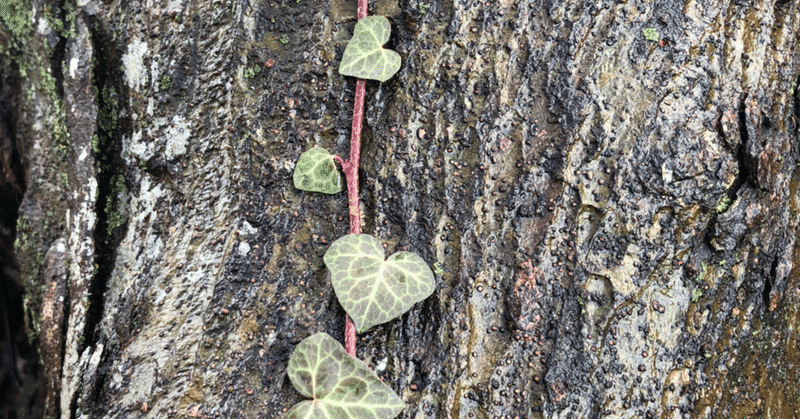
350,168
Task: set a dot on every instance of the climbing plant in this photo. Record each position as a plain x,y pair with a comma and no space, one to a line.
371,289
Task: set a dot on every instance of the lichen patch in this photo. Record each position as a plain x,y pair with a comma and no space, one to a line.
133,63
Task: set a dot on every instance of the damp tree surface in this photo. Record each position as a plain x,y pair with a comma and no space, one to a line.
607,194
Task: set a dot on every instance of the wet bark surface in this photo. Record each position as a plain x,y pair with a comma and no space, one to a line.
612,218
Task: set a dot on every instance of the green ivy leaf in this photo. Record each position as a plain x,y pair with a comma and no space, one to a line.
342,386
650,34
316,172
364,57
371,290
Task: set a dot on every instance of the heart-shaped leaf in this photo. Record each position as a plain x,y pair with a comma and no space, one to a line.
316,172
364,57
371,290
342,386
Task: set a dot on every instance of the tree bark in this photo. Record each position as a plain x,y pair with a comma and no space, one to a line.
607,191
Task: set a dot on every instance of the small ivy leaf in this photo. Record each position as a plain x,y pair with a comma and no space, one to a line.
343,387
364,57
371,290
650,34
316,172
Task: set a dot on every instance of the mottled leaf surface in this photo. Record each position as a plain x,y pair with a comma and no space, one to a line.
316,172
373,290
364,57
341,386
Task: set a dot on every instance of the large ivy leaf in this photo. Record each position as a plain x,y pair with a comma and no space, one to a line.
371,290
316,172
364,57
342,387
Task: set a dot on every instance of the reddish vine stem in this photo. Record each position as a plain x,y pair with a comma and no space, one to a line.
350,168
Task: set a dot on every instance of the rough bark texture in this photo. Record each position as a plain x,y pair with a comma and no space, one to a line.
612,219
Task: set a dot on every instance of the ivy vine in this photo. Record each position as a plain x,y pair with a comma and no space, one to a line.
371,289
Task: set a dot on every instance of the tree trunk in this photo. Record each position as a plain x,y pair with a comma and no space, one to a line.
607,192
